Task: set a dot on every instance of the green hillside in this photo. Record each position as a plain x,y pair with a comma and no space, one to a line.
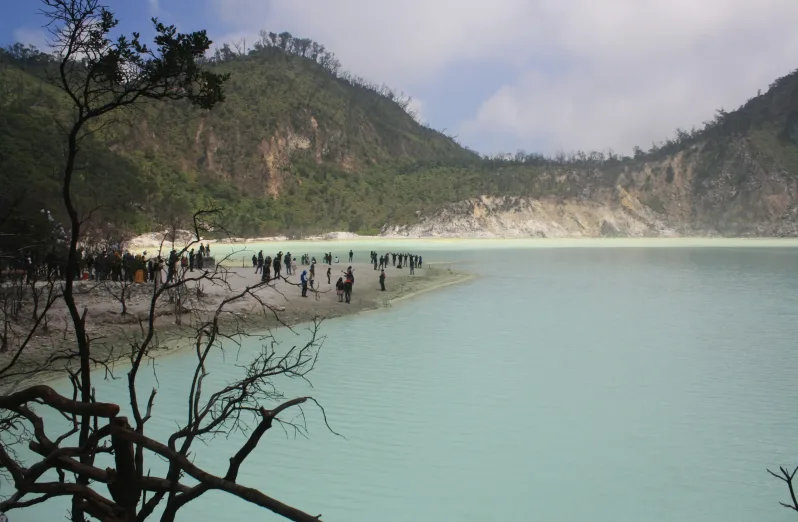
294,148
299,147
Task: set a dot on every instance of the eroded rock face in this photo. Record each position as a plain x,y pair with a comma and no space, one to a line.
735,191
276,157
527,217
609,230
263,165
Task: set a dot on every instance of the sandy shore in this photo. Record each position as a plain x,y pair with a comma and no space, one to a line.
113,332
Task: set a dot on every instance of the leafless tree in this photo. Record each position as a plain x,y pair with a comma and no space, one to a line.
16,292
120,290
788,477
102,77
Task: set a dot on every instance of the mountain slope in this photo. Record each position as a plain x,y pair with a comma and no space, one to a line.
280,107
294,148
299,148
736,177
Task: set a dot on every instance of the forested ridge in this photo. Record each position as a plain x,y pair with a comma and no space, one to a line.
300,146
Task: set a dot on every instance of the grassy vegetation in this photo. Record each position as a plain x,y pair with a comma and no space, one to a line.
294,149
774,148
299,148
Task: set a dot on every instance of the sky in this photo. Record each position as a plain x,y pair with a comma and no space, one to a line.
508,75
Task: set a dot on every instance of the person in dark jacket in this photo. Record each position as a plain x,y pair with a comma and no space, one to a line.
349,282
339,289
304,280
382,280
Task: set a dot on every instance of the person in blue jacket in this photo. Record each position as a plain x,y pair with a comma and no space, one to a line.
304,279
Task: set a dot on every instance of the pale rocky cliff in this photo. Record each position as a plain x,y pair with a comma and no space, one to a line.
506,216
736,190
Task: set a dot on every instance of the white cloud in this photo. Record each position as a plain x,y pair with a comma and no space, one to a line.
640,73
396,43
155,7
414,108
34,37
590,74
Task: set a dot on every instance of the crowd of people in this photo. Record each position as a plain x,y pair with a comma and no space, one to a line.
285,265
118,264
114,264
381,262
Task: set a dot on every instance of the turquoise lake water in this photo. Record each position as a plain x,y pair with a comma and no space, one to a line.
563,384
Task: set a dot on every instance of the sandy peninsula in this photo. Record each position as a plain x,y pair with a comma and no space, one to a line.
113,331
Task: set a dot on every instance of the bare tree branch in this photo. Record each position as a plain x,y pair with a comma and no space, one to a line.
103,78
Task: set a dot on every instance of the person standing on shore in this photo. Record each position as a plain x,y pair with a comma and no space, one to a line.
304,280
159,271
412,265
329,274
348,284
277,265
339,289
170,268
190,260
350,274
351,256
382,280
